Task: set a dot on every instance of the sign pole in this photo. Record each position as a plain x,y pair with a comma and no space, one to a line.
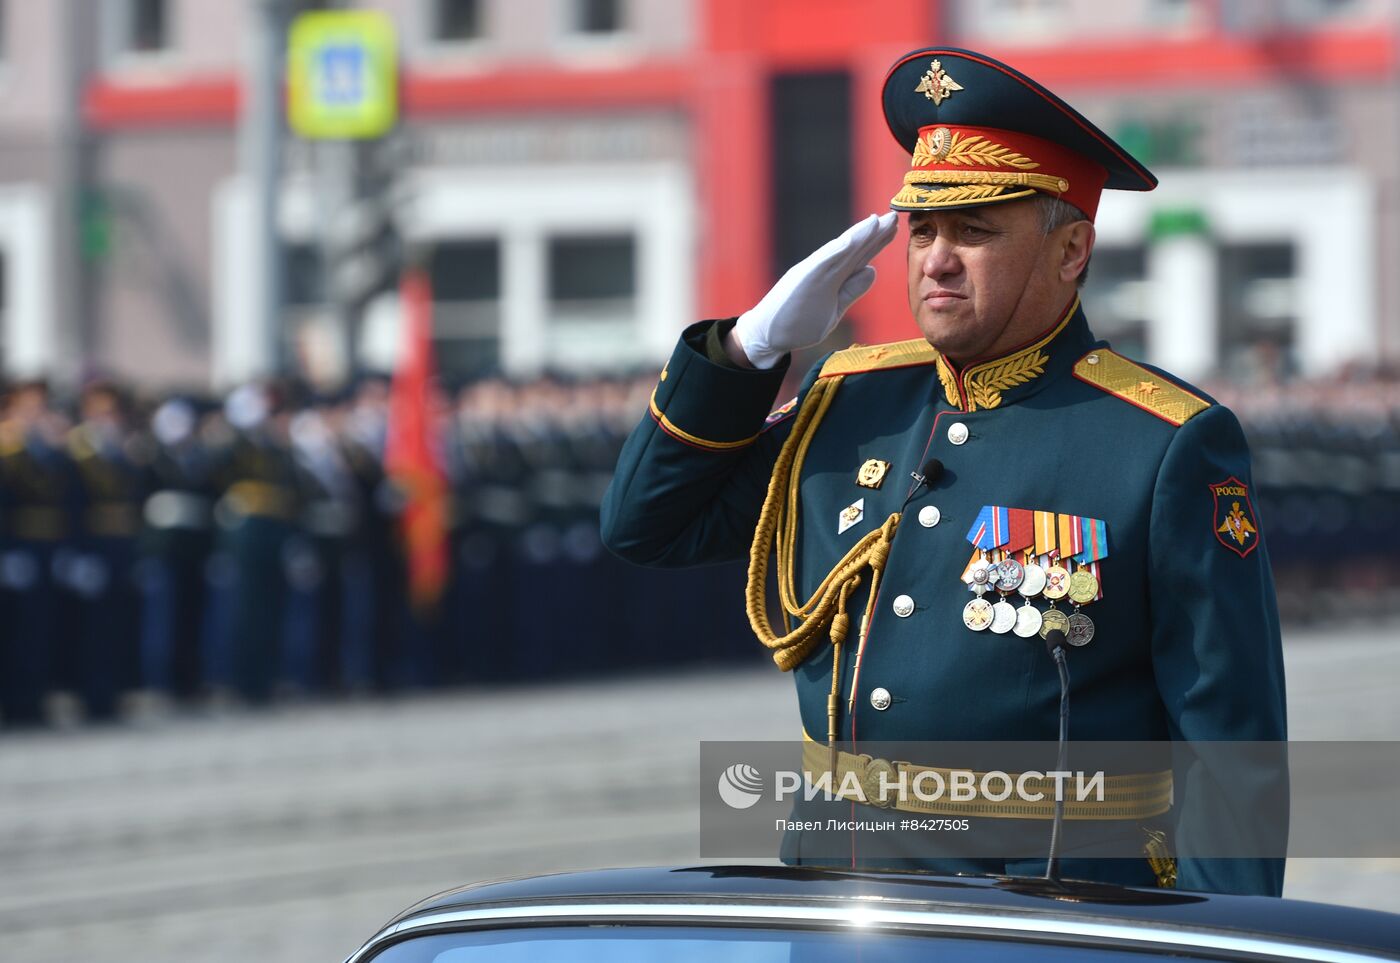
262,161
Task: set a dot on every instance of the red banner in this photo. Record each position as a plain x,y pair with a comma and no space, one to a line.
410,451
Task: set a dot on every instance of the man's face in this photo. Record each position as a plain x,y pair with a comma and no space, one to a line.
980,277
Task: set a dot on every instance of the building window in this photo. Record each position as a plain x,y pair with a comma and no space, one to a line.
1016,20
465,270
4,302
1258,315
592,277
1175,13
811,201
303,277
147,27
1307,12
1115,298
465,274
597,16
457,21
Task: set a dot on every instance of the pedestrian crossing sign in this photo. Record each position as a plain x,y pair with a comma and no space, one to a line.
342,74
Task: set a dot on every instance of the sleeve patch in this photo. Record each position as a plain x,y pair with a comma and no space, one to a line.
1235,524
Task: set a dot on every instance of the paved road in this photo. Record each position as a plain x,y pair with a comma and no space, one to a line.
291,834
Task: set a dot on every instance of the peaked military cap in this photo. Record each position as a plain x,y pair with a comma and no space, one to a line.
981,132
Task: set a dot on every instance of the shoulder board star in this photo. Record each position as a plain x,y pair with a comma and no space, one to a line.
875,357
1135,384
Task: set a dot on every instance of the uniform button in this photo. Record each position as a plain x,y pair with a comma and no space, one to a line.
904,606
1092,359
957,432
929,516
880,698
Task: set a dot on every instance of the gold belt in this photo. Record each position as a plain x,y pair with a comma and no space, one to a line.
112,519
259,498
39,524
1127,796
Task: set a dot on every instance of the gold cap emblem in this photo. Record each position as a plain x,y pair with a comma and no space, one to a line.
936,85
872,473
941,142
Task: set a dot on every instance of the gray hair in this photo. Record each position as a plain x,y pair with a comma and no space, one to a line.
1055,213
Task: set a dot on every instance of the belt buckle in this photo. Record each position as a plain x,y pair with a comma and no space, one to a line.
871,771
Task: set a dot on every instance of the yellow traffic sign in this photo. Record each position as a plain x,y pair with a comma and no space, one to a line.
342,74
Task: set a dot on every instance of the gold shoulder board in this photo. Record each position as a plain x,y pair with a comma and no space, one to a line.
874,357
1135,384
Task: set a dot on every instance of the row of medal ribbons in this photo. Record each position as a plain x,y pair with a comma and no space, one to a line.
1021,554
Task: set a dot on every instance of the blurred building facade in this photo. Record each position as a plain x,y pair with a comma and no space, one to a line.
591,175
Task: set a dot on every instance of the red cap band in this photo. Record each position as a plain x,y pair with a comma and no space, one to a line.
948,154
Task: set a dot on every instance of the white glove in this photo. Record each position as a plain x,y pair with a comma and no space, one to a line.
809,300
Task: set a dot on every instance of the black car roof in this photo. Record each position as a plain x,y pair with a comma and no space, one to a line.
1295,919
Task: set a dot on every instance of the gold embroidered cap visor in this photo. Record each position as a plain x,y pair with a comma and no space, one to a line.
980,132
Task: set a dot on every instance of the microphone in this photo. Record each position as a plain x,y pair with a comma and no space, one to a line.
1055,644
930,473
926,476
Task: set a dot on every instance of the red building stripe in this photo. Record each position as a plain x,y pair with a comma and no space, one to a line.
1207,62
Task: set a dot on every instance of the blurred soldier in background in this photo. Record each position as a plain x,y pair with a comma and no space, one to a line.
378,558
536,431
100,569
489,508
36,489
178,536
255,515
328,520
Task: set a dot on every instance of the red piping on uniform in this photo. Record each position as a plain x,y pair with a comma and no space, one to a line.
875,602
869,628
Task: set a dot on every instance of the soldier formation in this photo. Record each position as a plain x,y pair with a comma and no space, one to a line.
183,548
1327,468
178,550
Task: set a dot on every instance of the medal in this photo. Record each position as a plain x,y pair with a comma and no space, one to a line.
1083,587
1003,617
1081,629
977,614
1094,536
1032,580
980,576
1052,620
1056,582
1009,575
1028,619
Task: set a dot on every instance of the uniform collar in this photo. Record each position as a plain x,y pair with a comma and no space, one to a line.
1020,372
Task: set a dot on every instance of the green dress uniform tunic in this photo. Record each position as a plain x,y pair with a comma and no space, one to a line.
1187,641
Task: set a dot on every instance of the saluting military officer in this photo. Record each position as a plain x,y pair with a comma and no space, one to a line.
1061,491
